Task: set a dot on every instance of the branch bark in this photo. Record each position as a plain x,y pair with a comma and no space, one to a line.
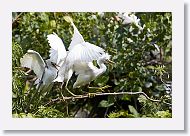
14,22
91,95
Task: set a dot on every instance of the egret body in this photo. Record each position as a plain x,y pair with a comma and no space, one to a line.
87,72
79,51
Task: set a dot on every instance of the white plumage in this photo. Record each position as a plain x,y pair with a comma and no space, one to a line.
57,50
45,71
87,72
77,37
34,61
79,52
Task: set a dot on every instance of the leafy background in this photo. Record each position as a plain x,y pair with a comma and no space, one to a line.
143,63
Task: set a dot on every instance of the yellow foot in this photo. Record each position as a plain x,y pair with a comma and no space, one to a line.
91,95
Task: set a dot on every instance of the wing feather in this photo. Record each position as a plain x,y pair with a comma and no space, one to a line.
77,37
34,61
85,52
79,51
57,50
83,68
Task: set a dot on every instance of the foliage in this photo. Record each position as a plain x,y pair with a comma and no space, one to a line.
48,112
119,114
143,63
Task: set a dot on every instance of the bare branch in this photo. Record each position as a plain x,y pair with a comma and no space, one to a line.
14,22
91,95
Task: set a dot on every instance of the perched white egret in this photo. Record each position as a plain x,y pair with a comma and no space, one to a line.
79,51
87,72
45,71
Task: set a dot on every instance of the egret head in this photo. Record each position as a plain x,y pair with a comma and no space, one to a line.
49,63
105,58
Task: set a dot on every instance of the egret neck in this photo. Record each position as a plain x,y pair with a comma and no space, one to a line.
102,68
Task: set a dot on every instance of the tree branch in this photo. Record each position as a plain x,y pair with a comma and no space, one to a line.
14,22
90,95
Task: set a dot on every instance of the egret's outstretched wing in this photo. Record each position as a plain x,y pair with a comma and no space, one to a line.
34,61
77,37
81,51
57,51
84,52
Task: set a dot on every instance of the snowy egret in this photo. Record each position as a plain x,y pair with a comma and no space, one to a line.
87,72
79,51
46,71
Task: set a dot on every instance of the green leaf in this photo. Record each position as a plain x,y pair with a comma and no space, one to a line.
131,74
142,99
160,87
133,111
23,115
119,114
164,114
105,104
126,97
101,81
53,23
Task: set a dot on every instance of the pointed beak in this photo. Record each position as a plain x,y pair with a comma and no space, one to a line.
55,65
110,62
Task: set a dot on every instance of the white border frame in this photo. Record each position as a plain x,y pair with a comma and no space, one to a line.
174,123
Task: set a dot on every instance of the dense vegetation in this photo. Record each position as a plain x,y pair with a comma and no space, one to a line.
143,63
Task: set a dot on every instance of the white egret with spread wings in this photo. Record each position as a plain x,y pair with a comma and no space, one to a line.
79,60
46,71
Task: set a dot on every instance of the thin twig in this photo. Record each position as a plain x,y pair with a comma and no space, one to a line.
17,17
103,94
16,20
